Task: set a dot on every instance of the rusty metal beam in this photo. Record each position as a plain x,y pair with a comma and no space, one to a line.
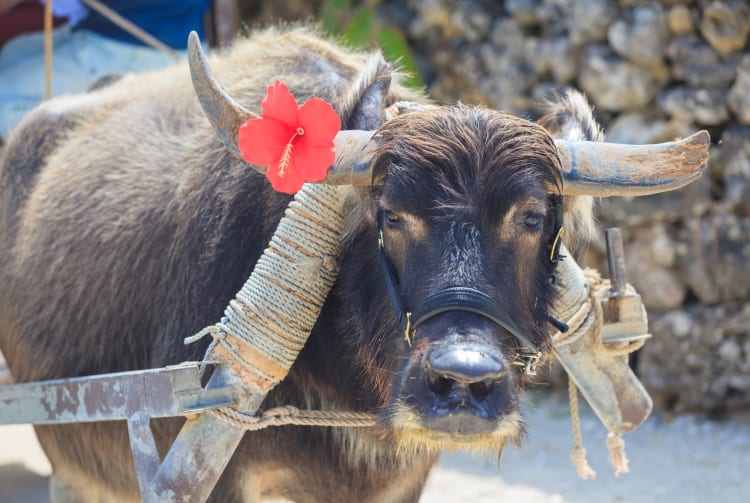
195,462
163,392
200,452
197,457
143,448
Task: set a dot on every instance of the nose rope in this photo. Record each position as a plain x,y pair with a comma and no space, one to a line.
473,301
292,416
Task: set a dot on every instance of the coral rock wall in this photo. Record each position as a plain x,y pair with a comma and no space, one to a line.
654,70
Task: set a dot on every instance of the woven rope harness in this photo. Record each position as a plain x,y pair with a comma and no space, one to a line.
268,322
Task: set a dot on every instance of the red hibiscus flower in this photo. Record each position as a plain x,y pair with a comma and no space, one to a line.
295,143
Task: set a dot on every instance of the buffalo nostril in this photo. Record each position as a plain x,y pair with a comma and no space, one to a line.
440,385
465,365
482,389
455,373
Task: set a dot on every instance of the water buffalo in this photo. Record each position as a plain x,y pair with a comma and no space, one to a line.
126,225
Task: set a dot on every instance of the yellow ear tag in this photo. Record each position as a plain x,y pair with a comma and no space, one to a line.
407,331
556,244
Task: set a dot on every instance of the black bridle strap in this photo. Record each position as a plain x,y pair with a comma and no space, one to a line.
391,284
557,217
450,299
473,301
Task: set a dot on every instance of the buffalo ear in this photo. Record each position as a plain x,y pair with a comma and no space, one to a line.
366,100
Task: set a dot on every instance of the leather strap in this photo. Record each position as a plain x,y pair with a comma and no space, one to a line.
470,300
451,299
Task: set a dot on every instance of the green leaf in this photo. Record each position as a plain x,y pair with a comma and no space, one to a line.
359,31
333,13
396,49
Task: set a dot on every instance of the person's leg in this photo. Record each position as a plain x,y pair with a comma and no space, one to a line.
80,59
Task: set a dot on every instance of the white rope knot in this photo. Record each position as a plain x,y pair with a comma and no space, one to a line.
616,446
277,413
217,332
578,457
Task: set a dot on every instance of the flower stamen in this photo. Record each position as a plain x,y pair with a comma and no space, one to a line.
285,160
286,154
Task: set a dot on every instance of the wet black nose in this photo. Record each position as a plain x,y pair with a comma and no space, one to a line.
475,370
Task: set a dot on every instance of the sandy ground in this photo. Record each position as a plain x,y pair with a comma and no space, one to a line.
686,460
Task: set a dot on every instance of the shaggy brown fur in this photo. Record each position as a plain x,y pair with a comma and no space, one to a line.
570,116
126,227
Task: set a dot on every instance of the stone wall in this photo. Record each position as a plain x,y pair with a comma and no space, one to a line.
655,70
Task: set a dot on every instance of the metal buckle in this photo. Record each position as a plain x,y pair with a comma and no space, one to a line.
530,362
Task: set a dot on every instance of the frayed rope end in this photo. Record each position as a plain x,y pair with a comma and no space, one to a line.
217,332
578,457
616,446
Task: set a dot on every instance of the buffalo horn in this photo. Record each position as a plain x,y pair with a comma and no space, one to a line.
225,114
589,168
353,148
610,169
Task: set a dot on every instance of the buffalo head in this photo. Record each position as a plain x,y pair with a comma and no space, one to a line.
467,216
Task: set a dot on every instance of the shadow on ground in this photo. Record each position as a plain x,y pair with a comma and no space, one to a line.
19,484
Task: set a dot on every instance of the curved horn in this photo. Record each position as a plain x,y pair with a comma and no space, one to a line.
610,169
225,114
353,148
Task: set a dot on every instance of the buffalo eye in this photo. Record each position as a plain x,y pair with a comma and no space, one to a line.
532,221
392,220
